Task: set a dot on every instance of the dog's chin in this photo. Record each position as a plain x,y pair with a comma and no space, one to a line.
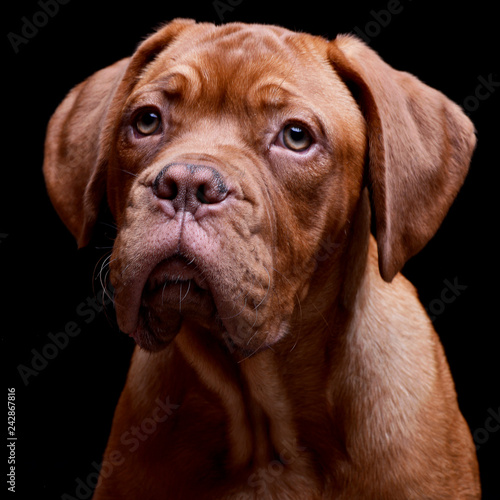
151,338
164,308
159,323
177,293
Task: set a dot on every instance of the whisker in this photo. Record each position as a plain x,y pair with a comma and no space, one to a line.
162,292
252,353
127,172
101,261
185,295
202,274
105,286
242,292
256,318
324,319
104,261
125,268
268,288
102,276
105,282
242,309
250,339
299,330
109,224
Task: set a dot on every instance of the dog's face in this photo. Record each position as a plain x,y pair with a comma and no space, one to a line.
226,148
228,155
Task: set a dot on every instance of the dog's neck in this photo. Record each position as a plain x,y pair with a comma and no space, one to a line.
269,396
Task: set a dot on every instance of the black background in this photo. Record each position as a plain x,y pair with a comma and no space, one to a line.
64,412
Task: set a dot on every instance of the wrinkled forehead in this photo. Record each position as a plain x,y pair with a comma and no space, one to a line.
225,63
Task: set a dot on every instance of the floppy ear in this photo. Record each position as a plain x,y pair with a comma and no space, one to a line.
420,145
79,135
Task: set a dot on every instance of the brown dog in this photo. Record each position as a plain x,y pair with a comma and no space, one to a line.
281,355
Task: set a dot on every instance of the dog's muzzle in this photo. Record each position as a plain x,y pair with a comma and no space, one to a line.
184,186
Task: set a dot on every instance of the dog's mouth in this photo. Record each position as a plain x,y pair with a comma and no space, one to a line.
156,296
175,289
173,273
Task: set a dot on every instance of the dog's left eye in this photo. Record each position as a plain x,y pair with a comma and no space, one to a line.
296,137
148,122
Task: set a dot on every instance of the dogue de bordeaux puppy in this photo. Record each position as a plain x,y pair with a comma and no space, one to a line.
280,354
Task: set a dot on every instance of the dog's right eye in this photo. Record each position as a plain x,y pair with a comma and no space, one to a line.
148,122
295,137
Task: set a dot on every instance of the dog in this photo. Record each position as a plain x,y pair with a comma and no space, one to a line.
267,187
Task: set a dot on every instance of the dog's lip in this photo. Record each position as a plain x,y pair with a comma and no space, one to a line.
152,278
174,270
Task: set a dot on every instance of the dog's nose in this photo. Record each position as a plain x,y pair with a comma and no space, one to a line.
187,187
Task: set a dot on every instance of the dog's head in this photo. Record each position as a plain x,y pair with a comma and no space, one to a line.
228,154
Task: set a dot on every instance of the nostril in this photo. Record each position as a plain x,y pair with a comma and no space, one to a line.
213,191
200,194
166,189
187,186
